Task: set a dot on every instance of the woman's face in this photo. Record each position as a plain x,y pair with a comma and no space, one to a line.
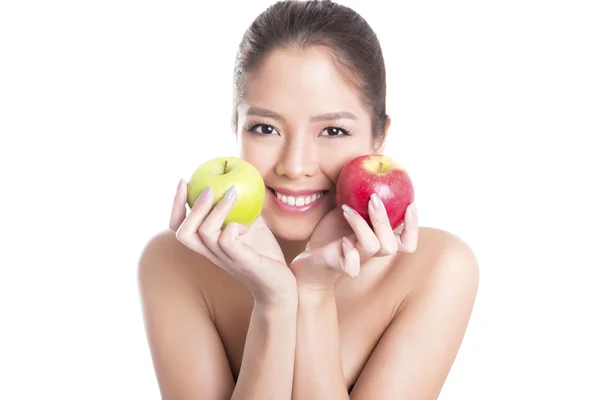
299,123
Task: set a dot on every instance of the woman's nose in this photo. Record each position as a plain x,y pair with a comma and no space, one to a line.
298,159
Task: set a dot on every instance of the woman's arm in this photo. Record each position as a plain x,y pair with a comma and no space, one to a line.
268,362
318,370
189,357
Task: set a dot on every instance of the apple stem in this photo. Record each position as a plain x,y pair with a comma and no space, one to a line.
225,169
380,167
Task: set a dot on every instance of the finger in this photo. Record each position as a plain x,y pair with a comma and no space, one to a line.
187,233
367,242
198,213
178,209
407,240
351,258
214,221
330,256
235,249
399,229
210,229
381,226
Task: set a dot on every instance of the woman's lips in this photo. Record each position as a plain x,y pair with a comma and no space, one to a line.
297,201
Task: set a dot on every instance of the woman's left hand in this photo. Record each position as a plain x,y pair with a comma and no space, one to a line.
340,244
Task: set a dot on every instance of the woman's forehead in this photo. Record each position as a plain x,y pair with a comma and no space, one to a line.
301,80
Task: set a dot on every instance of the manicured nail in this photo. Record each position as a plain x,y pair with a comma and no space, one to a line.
413,210
376,202
349,210
346,244
204,194
230,192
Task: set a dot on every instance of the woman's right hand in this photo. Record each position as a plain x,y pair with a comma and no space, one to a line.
250,253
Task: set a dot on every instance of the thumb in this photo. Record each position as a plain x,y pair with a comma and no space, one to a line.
324,257
238,251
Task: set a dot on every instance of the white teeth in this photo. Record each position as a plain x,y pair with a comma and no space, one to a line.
298,201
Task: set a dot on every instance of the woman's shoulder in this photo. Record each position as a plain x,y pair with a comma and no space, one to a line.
163,251
439,247
165,258
440,254
438,242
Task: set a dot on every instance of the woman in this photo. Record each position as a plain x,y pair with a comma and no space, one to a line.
307,302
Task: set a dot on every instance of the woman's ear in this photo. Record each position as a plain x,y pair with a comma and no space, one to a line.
379,142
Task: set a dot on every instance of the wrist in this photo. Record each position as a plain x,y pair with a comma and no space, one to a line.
284,300
310,296
276,313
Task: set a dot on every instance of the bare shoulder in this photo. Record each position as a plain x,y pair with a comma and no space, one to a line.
442,255
440,243
443,276
162,246
187,352
441,258
165,257
448,249
438,248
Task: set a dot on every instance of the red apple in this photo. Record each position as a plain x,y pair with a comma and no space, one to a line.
377,174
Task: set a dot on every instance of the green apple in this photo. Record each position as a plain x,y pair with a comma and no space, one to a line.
220,174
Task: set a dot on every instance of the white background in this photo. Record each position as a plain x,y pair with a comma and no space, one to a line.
105,105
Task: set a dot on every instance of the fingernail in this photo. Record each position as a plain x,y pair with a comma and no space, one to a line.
413,210
376,202
353,271
204,194
346,243
230,192
180,184
349,210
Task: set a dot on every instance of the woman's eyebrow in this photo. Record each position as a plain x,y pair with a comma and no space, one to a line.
263,112
333,115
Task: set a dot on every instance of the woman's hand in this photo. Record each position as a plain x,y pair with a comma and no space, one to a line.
249,253
340,244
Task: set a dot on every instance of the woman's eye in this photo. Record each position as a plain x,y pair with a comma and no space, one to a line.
333,131
262,129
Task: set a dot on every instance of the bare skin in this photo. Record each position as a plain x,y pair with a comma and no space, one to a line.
303,328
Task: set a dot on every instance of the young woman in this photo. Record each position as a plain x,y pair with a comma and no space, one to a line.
307,302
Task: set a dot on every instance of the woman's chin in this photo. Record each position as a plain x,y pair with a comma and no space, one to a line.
290,232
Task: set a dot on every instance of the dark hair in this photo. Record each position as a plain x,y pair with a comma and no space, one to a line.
351,41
